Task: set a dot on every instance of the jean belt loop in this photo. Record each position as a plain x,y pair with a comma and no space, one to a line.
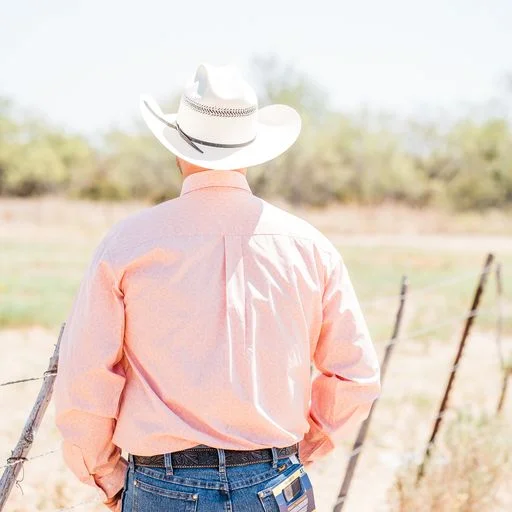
222,462
131,463
168,464
274,457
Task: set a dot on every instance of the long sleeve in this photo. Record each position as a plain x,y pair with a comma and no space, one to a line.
349,378
91,378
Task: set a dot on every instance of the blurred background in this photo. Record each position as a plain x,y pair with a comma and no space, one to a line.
404,162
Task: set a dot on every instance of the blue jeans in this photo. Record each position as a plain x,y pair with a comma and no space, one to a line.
223,489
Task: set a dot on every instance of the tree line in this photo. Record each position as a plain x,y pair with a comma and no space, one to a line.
342,157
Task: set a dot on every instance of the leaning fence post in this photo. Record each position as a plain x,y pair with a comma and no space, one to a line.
19,454
453,371
499,313
363,430
507,375
506,369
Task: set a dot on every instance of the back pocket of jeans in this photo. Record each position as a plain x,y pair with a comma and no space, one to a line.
266,495
268,502
149,498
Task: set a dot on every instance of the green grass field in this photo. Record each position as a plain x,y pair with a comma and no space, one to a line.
441,288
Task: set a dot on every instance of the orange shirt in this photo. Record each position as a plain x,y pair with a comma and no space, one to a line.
196,322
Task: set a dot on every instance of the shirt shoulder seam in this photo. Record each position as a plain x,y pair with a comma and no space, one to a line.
291,236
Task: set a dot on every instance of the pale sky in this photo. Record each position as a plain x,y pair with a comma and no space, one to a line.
83,63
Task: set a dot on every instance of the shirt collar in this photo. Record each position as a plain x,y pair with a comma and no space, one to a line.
205,179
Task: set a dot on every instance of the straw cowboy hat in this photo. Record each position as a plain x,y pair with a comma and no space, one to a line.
219,125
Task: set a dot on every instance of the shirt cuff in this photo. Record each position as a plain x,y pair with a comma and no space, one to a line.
110,484
315,445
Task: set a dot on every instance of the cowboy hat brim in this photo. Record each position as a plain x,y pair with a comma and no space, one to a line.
278,128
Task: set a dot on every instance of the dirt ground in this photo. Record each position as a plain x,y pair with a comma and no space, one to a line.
400,428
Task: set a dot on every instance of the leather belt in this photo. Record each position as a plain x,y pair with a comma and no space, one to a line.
207,457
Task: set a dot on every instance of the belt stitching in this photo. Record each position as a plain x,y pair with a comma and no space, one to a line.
179,466
210,466
226,450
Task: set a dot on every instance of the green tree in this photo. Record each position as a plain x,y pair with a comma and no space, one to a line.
36,158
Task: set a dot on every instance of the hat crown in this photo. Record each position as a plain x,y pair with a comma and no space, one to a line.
218,107
221,86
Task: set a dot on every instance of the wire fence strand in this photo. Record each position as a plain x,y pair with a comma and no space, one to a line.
426,288
412,335
79,505
45,374
454,320
18,461
365,304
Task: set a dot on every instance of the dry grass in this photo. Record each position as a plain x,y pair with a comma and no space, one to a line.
387,219
393,219
469,472
398,433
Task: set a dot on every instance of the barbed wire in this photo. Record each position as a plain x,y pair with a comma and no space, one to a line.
45,374
96,501
24,459
426,288
415,334
368,303
454,320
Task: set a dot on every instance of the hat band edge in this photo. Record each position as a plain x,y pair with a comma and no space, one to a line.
217,144
191,141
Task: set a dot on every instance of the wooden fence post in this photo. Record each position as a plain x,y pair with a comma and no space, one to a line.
363,430
506,366
507,375
453,371
19,454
